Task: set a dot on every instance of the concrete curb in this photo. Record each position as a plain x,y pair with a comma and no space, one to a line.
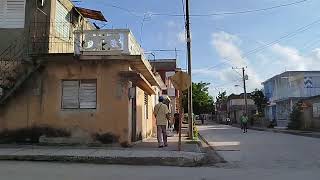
212,156
295,133
153,161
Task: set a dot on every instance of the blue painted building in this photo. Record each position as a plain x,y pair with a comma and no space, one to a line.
285,89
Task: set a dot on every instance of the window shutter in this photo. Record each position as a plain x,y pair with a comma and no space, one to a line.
12,13
70,94
2,3
62,21
88,94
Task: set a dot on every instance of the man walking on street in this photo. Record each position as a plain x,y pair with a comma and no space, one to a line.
244,122
162,115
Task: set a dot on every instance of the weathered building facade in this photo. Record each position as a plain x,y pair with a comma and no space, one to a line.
284,90
72,76
236,107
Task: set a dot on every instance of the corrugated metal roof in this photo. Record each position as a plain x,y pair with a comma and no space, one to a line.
164,64
92,14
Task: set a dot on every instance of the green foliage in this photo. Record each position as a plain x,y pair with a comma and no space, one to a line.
296,117
195,132
222,97
202,101
259,100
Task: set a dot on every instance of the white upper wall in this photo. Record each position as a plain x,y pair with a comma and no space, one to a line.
240,102
293,84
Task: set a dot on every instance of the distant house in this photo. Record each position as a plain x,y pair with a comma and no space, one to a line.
167,68
311,112
221,111
60,71
236,107
286,89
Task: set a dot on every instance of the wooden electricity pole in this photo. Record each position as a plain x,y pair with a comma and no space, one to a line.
190,108
244,77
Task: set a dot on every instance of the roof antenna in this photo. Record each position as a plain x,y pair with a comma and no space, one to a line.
96,26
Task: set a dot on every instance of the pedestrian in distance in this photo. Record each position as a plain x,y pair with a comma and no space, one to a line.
202,119
162,114
244,122
228,121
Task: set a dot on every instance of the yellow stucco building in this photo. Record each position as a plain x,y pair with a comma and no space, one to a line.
76,77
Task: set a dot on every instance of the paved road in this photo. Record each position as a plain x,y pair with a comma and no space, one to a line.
252,156
259,149
60,171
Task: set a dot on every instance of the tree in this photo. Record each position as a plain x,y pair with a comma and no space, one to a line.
259,100
296,116
222,97
202,101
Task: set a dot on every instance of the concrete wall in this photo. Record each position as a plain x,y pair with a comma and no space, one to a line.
144,125
241,102
311,115
38,102
39,22
292,84
8,36
59,44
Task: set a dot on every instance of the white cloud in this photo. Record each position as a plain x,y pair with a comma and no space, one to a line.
228,48
175,35
316,53
181,36
260,67
171,24
224,74
292,59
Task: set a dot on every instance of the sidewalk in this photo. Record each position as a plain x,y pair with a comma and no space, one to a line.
103,156
285,131
143,153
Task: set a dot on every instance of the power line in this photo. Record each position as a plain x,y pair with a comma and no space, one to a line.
234,13
237,72
133,13
184,14
260,48
141,15
225,84
165,50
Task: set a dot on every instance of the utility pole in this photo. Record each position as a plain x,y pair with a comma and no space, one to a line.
245,91
244,78
190,108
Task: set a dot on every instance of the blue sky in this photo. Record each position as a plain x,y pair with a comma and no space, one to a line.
216,38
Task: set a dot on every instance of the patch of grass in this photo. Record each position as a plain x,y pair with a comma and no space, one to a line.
192,142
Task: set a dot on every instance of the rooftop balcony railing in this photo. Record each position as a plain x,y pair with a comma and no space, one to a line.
108,42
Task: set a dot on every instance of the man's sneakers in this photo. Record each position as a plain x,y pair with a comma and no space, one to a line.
161,146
